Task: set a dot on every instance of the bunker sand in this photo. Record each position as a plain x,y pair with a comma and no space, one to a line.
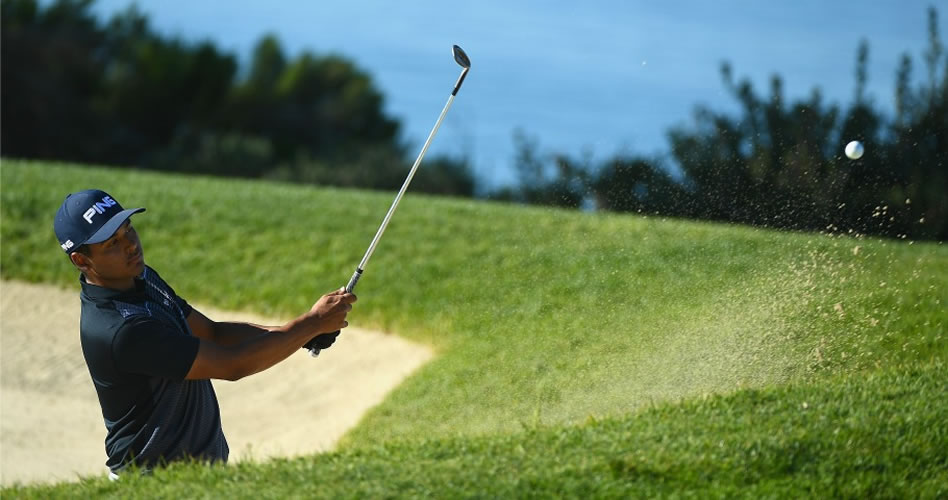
51,427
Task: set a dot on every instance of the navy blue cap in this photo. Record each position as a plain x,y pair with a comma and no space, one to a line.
90,216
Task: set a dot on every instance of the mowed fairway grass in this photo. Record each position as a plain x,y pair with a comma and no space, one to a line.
577,352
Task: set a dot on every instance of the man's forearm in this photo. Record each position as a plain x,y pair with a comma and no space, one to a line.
258,352
228,333
234,350
268,348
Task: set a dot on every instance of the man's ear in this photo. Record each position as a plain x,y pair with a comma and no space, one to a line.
79,260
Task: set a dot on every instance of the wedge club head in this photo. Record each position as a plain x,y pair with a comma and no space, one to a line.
461,57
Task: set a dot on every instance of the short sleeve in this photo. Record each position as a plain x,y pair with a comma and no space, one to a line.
148,347
183,304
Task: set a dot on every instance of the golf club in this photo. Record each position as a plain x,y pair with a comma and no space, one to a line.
461,58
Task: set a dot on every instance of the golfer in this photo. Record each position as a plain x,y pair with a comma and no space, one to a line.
150,354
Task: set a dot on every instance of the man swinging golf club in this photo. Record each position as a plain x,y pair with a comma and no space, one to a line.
151,355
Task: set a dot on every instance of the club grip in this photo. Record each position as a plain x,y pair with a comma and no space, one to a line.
353,280
323,341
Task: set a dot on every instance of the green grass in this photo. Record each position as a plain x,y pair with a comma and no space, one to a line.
543,319
875,436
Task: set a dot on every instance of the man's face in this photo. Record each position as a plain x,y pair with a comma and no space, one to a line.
117,259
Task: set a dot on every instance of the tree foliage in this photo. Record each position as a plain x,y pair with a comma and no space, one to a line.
119,93
780,164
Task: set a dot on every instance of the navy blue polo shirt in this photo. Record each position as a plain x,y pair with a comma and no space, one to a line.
138,347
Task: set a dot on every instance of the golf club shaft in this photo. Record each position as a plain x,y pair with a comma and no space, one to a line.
398,198
401,192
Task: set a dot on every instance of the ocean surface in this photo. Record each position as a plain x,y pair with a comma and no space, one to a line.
590,79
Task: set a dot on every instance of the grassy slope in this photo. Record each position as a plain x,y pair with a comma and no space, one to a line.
541,316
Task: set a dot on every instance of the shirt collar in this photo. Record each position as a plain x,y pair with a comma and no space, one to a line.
100,292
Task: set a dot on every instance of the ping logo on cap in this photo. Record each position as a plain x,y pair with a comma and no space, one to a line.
67,245
99,208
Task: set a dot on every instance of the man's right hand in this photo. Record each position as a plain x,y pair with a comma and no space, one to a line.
328,314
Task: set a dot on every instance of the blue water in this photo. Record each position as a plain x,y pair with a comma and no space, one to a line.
593,78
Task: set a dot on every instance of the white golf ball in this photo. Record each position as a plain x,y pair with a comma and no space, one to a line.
854,150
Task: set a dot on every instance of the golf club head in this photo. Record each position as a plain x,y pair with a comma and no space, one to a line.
461,57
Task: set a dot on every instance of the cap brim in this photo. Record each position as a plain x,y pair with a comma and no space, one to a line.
108,229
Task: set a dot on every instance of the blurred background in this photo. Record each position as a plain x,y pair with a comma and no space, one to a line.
736,111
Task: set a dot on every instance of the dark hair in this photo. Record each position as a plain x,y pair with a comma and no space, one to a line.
84,250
